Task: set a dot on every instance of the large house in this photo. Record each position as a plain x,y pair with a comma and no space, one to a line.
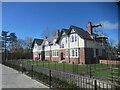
73,45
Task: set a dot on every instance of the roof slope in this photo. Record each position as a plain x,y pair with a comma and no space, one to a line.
37,41
82,33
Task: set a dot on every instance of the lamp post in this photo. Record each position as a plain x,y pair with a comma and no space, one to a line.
50,44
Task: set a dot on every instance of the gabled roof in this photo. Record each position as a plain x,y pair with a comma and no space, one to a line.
62,31
37,41
82,33
50,40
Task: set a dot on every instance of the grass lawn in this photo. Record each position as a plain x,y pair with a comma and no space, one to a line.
99,70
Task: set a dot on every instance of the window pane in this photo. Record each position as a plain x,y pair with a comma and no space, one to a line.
72,52
76,52
75,37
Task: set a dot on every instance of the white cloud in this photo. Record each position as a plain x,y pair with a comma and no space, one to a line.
108,25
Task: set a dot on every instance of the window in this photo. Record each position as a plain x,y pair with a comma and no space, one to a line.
62,45
36,47
46,43
54,53
66,39
47,54
74,52
73,37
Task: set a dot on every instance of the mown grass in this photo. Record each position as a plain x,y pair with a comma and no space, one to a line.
98,70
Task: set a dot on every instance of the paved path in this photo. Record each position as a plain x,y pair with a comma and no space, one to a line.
12,79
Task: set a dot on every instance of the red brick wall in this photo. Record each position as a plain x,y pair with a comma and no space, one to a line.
55,58
109,62
89,56
82,55
85,56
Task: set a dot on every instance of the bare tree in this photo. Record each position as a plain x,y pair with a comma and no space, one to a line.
28,42
49,33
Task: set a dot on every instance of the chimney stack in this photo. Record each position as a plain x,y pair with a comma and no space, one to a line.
46,37
57,33
89,26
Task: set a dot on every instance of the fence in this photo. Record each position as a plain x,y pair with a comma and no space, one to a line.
82,82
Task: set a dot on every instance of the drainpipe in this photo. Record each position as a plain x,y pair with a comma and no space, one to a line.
78,51
69,46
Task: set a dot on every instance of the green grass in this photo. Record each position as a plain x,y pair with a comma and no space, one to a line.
99,70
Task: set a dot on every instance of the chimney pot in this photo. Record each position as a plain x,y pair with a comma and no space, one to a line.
89,26
57,33
46,37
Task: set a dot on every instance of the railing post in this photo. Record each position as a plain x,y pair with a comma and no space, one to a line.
49,78
32,72
72,67
90,70
95,84
63,67
22,67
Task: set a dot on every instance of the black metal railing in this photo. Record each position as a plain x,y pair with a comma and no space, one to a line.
66,78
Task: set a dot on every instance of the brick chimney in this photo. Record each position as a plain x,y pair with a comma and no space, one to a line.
89,26
57,33
46,37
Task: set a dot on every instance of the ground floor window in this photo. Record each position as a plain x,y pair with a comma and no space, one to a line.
55,53
74,52
35,54
47,54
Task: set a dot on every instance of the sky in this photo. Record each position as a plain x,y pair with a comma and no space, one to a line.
32,19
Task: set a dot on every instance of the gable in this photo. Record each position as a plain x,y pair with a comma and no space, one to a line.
72,31
37,41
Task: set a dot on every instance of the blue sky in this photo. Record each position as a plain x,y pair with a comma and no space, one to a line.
32,19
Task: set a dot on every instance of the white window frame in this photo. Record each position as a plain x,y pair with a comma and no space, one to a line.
74,53
47,54
73,37
62,45
55,53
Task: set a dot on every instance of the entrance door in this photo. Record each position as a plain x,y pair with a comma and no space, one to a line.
39,56
62,56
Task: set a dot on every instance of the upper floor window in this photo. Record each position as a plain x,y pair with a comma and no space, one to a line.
62,45
66,39
46,43
36,47
73,37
